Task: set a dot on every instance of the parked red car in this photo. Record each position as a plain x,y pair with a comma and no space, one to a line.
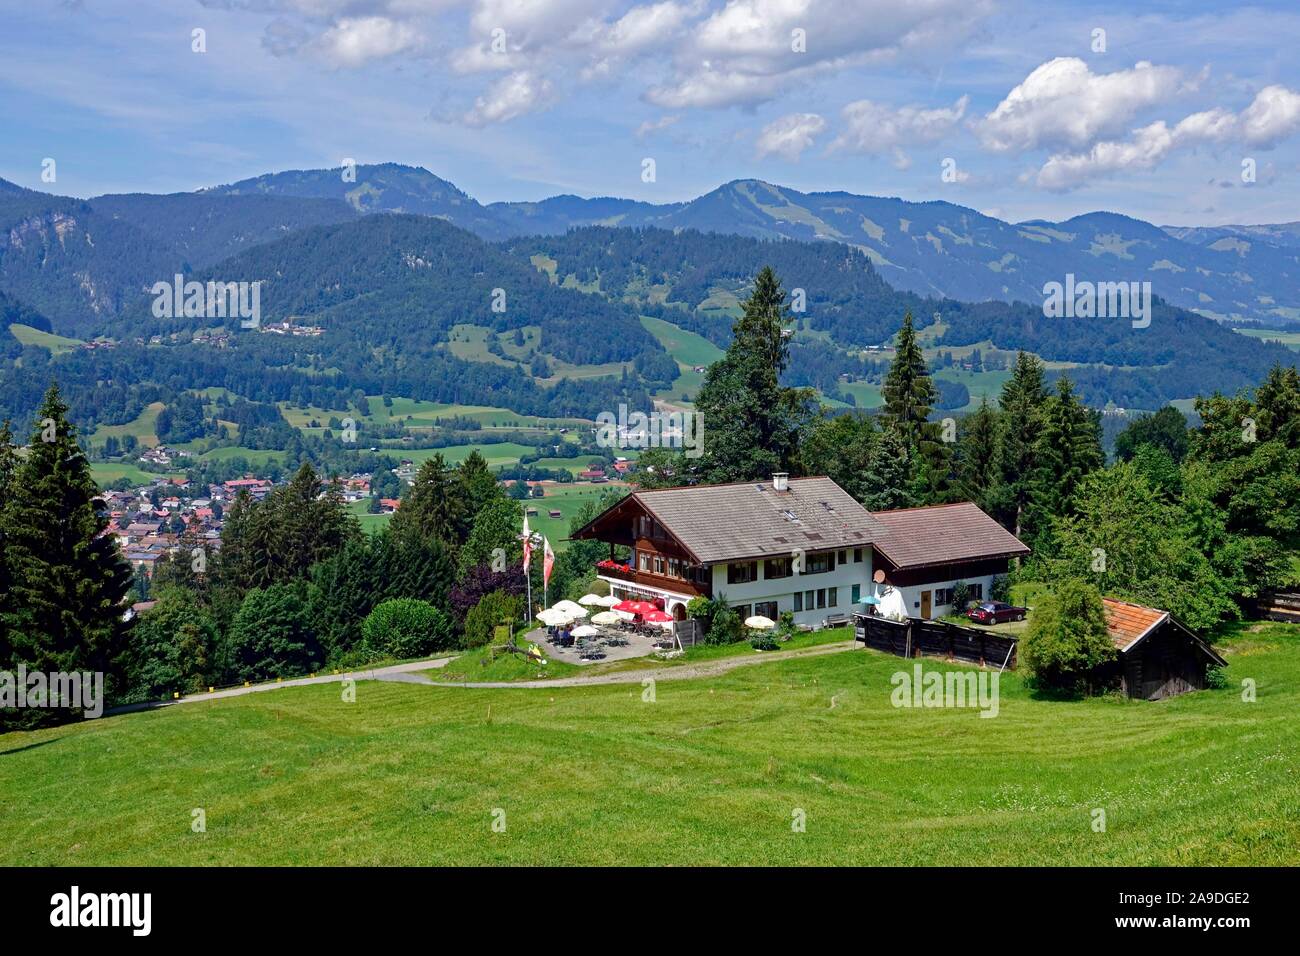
995,612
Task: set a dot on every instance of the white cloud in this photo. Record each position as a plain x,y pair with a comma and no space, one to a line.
1063,103
353,42
790,135
1272,116
875,128
510,97
745,53
707,88
654,126
643,27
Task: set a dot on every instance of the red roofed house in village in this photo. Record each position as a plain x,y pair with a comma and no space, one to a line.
1158,656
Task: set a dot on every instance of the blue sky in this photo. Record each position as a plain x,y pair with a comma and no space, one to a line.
522,99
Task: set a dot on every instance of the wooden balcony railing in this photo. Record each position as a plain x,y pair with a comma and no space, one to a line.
622,572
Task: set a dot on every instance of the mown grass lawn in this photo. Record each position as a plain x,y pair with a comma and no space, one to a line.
711,772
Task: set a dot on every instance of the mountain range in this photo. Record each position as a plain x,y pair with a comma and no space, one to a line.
405,286
1229,273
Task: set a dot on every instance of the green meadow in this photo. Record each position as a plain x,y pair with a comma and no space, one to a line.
1290,339
567,499
717,769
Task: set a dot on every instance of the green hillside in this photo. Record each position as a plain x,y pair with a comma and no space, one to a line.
713,772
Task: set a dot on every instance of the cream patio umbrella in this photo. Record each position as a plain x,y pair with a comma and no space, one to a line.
760,623
571,608
554,617
606,617
590,599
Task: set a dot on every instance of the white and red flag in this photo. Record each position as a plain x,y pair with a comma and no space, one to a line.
548,561
528,543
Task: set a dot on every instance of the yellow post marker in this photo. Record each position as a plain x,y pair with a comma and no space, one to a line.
209,690
176,695
247,684
279,680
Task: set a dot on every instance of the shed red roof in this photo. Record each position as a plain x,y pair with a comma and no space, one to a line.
1129,623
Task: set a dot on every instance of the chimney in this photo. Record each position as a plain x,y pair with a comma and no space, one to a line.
781,481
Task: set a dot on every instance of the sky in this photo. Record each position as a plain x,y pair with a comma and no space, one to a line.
1178,113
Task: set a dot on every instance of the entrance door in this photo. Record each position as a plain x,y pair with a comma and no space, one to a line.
925,605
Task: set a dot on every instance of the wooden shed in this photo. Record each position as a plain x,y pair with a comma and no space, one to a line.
1158,656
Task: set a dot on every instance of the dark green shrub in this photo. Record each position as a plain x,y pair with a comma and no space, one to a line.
405,627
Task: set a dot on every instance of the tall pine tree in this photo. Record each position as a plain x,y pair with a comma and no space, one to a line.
750,422
910,396
68,580
8,469
1069,448
1018,442
977,450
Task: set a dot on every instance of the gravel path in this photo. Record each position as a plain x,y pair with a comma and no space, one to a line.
409,674
683,672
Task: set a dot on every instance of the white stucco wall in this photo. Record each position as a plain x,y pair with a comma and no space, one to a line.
912,594
782,590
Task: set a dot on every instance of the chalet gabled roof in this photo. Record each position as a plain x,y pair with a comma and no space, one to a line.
943,534
752,519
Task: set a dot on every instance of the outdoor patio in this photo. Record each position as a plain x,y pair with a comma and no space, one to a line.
610,644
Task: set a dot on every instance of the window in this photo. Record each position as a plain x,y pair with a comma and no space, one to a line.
742,611
943,595
798,600
674,567
821,598
809,600
659,564
977,592
819,563
844,557
767,609
857,555
833,598
856,596
644,563
742,573
776,568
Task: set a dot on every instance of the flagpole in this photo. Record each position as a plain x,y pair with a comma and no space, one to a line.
528,578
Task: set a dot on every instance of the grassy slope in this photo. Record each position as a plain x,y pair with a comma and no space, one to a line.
143,428
710,773
46,340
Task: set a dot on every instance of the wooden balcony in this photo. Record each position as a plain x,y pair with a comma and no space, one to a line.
664,582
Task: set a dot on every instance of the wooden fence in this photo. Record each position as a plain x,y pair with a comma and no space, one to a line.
916,638
689,633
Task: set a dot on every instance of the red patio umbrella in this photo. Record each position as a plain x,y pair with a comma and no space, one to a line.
635,607
658,617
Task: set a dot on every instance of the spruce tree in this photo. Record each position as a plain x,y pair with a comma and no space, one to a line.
433,508
68,581
1069,448
8,468
909,393
750,422
977,449
1018,441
